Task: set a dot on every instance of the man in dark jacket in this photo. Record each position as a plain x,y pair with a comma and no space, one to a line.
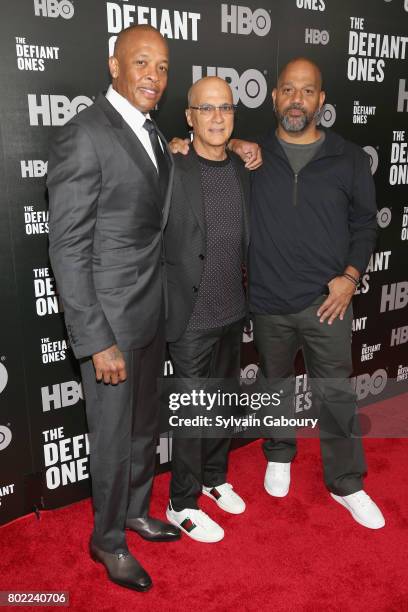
206,241
109,182
313,229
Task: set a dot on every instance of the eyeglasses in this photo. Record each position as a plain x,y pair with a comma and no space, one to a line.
209,109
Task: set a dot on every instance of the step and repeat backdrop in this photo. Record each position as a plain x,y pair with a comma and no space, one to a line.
54,62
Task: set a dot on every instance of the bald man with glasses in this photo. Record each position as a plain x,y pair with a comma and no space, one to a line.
206,243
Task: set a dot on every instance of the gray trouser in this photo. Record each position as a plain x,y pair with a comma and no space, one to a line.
327,354
123,423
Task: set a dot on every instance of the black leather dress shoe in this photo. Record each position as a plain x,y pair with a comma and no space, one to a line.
153,529
122,568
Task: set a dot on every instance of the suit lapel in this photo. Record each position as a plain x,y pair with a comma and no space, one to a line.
129,141
245,192
191,180
167,199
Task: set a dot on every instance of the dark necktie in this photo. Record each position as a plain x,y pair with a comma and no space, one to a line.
159,155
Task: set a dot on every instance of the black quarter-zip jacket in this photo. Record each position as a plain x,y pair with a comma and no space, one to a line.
307,227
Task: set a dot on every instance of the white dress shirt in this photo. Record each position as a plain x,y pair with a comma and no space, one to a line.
134,118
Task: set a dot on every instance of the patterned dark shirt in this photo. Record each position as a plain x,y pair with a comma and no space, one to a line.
220,299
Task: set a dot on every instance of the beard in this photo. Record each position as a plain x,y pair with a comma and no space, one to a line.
295,124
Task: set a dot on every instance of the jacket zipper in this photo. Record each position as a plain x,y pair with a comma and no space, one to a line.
295,190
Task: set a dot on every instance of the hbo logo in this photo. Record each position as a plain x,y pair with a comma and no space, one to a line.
327,116
248,335
55,110
250,87
364,384
241,20
373,158
249,374
3,377
5,437
316,37
54,8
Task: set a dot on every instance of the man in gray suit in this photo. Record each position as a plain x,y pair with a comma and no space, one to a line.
206,241
109,179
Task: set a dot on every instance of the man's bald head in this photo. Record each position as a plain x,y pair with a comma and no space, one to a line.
127,36
139,66
298,98
213,126
301,64
206,84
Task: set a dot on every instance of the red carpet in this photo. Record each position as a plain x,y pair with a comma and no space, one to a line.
302,553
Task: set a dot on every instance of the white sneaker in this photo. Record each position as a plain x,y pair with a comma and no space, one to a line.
226,498
362,509
196,524
277,478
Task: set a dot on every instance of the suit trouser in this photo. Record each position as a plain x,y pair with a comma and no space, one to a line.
327,354
123,425
213,353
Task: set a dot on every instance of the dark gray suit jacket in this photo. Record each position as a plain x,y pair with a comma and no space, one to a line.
185,238
107,217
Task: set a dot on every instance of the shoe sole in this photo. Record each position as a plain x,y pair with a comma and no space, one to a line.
176,524
122,584
161,539
222,507
341,501
274,494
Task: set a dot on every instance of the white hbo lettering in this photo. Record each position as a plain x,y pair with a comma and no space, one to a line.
55,109
316,37
5,437
311,5
366,384
250,87
242,20
394,296
3,377
33,168
402,97
327,116
61,395
399,335
54,8
384,217
373,158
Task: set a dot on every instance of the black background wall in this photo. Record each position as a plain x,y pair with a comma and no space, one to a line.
53,64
